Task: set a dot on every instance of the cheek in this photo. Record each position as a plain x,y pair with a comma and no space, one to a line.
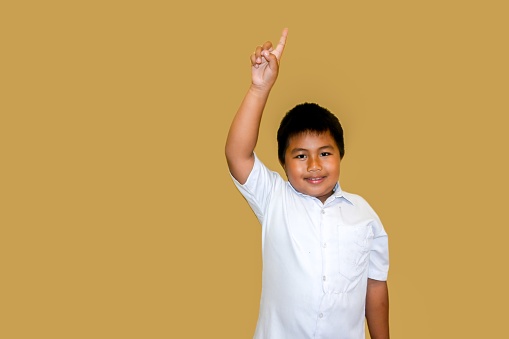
292,171
334,167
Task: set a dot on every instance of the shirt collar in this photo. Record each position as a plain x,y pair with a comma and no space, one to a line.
337,193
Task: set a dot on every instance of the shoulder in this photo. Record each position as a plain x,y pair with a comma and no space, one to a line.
363,210
359,202
260,169
261,180
355,199
260,188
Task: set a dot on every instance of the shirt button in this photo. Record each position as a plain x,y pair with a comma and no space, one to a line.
323,211
324,245
324,278
321,315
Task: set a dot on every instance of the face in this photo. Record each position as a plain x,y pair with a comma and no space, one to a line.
312,164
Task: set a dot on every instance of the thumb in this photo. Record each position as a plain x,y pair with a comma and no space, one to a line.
272,60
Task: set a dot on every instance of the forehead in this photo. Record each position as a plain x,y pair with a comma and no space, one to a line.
311,140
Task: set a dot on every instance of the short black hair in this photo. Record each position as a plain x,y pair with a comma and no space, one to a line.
308,117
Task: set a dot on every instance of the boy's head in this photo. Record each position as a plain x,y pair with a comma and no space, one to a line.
308,117
310,149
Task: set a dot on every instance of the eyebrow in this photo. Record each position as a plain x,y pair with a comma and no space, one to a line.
298,149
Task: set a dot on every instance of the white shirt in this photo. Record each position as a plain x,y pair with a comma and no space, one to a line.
316,259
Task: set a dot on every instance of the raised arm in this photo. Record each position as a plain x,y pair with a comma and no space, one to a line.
243,133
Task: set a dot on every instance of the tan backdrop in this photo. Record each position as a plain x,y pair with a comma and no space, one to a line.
119,218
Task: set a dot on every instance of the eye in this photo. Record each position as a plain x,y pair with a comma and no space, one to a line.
325,154
300,156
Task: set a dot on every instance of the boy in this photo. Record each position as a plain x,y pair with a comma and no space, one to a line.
325,253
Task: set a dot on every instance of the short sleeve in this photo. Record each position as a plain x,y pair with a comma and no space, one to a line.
379,255
259,187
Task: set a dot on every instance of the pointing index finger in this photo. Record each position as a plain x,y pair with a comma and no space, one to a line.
282,42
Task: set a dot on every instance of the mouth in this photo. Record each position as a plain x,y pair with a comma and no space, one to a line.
315,180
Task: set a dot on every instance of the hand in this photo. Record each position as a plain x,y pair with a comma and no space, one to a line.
265,63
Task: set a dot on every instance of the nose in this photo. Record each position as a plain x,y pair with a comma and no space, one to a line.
314,164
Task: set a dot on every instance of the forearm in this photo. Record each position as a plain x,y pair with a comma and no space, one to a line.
377,309
243,133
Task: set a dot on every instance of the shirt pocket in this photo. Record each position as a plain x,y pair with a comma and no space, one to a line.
354,246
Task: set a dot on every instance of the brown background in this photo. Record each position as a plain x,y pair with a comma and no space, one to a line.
118,216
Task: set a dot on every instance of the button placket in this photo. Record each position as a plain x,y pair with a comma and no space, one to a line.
324,239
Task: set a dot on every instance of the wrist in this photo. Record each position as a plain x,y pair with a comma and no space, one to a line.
260,91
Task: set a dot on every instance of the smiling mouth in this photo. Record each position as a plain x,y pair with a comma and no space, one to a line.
315,180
